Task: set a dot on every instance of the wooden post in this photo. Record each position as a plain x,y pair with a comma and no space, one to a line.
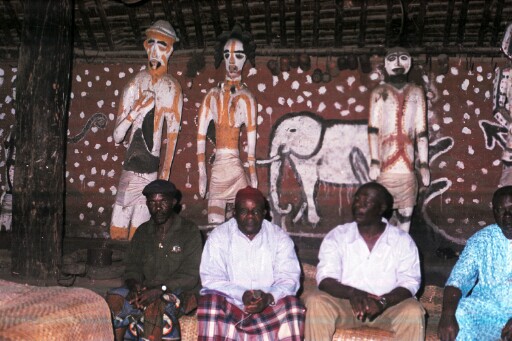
42,98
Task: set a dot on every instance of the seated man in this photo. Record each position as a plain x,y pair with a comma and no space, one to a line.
250,274
162,266
484,269
368,273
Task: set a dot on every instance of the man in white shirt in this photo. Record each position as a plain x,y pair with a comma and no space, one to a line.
368,273
250,275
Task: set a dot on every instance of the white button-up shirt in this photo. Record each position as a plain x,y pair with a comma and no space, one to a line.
393,261
232,263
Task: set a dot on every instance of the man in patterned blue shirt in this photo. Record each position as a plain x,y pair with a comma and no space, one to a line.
486,312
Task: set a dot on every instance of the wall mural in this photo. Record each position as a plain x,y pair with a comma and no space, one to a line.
465,143
327,151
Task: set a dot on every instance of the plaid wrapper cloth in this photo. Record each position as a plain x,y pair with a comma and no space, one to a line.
220,320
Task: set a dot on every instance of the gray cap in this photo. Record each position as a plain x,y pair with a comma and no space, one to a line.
163,27
160,187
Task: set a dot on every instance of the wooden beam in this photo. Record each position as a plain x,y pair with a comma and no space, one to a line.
44,72
497,22
282,22
247,15
420,25
231,15
167,7
448,23
9,41
181,23
104,24
363,14
389,20
298,23
463,17
84,15
151,11
338,24
268,22
484,24
216,17
316,23
196,15
134,23
13,16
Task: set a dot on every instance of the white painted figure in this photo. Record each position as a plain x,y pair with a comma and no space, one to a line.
150,98
397,124
229,105
502,107
6,198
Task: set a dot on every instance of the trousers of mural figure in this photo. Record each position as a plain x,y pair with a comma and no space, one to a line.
229,105
502,107
148,100
397,124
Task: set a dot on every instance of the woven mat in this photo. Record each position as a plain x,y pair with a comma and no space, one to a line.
188,325
52,313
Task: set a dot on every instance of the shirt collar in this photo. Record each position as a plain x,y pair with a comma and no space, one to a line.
354,235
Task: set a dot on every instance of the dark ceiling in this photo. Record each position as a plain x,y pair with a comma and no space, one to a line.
112,29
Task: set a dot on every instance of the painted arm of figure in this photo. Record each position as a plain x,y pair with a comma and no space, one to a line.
205,116
134,105
502,91
422,137
173,121
374,125
251,139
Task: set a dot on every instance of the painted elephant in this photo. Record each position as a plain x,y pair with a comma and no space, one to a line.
330,151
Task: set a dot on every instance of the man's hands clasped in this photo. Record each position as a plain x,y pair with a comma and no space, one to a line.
366,306
255,301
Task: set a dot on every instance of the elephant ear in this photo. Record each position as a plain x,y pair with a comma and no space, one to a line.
306,137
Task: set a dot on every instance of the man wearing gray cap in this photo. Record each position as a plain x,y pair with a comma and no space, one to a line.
150,98
162,269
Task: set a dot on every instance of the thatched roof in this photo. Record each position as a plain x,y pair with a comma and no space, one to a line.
115,28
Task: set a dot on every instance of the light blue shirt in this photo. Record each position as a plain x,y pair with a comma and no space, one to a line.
488,258
232,263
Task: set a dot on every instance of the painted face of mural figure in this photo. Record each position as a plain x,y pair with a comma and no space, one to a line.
249,216
160,207
397,62
234,57
368,206
159,48
502,209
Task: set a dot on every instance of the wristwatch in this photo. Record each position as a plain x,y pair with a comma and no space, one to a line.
164,288
384,302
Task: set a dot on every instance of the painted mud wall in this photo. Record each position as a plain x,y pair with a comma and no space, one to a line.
466,142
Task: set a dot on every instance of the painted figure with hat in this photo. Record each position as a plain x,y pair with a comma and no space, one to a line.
151,98
397,127
162,271
502,107
250,276
229,105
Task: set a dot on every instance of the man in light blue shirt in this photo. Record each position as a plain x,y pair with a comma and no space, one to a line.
477,300
250,275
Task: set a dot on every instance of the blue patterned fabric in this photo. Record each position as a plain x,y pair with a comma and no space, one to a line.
485,266
132,318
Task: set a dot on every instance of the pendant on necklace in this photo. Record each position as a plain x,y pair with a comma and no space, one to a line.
160,245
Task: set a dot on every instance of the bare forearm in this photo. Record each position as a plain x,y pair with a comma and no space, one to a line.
336,289
451,298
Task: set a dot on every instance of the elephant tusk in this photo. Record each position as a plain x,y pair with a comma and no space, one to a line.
287,210
266,162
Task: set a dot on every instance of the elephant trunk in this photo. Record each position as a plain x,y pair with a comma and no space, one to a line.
275,169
